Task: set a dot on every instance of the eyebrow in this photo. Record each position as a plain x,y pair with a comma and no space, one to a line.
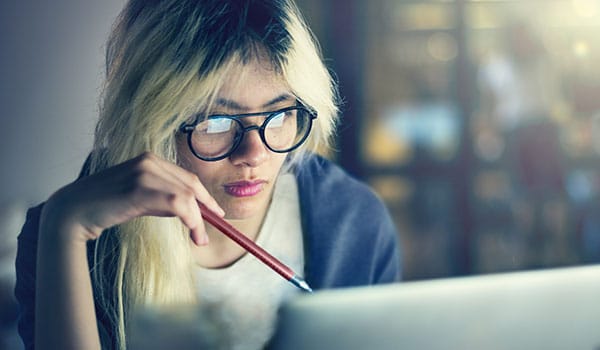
223,102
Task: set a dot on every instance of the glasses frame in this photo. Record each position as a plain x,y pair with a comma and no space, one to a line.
188,128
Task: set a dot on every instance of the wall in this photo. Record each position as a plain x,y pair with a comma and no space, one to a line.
51,64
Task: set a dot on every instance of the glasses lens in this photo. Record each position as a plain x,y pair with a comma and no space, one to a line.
214,137
287,129
283,131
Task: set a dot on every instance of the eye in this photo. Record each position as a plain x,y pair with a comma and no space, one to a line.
218,125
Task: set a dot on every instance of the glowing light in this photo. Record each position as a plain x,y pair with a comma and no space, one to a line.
585,8
442,46
581,48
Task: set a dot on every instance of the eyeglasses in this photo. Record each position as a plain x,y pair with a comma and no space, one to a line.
216,137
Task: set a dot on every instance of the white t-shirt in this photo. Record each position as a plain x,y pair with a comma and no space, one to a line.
245,296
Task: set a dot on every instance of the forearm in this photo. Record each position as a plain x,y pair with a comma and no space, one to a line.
80,212
65,314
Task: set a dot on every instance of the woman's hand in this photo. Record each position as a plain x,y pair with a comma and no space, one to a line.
145,185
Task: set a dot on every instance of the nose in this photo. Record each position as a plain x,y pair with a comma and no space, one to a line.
252,151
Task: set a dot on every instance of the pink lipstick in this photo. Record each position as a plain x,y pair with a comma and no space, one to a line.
244,188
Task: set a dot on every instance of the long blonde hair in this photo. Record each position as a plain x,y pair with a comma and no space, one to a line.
165,60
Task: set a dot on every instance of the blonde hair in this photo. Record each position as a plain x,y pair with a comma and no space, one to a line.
166,59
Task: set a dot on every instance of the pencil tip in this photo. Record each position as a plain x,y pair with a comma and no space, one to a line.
301,283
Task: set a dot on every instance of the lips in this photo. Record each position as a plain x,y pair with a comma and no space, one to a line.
244,188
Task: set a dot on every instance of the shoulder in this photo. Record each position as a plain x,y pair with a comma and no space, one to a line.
349,235
29,232
326,189
25,266
322,178
25,263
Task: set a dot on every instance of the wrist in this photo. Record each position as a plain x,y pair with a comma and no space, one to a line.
59,222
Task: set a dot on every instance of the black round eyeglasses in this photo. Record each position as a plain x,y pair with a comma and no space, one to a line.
217,136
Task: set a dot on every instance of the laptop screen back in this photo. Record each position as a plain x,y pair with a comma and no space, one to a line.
545,309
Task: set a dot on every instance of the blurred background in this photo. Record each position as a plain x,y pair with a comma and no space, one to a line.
478,122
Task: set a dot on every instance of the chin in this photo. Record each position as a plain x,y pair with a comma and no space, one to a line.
244,209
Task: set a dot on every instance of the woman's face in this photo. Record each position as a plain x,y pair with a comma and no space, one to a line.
243,183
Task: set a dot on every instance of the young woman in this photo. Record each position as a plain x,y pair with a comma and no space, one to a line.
217,102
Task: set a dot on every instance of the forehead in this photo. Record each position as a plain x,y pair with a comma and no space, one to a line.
252,86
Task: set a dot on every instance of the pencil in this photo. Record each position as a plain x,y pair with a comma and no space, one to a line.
253,248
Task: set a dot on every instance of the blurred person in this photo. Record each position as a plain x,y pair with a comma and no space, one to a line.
521,94
519,83
223,103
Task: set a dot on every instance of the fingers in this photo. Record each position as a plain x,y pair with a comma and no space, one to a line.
145,185
191,181
158,192
177,191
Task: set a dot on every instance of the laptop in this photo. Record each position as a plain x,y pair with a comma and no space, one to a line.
542,309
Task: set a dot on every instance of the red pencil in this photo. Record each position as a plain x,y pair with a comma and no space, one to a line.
254,248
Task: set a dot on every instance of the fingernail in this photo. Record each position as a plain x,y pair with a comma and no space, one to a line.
219,210
196,242
203,239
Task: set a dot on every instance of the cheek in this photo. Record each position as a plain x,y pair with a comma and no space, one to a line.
192,164
210,175
183,150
